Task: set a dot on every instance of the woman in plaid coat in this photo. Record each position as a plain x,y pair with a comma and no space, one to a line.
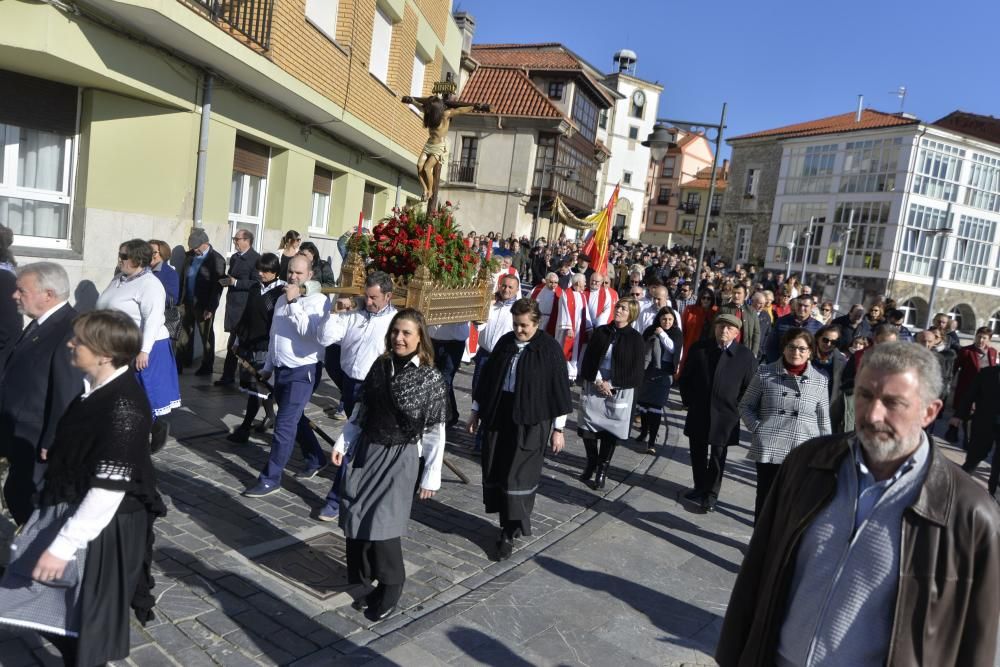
786,404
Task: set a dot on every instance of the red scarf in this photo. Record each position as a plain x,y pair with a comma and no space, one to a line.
795,370
550,326
571,308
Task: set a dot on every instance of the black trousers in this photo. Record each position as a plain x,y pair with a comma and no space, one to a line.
380,560
448,359
766,474
193,316
978,450
708,462
229,366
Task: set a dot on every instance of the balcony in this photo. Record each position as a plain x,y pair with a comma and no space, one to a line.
663,200
250,18
689,206
462,172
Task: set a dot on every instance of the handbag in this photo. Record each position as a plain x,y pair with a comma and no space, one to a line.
34,538
172,320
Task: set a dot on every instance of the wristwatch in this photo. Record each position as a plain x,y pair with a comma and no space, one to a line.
557,430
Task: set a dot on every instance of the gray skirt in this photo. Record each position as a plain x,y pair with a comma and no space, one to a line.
376,496
605,413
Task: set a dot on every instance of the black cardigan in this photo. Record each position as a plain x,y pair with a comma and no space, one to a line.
541,387
627,359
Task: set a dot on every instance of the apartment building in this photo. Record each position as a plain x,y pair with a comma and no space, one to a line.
132,118
665,210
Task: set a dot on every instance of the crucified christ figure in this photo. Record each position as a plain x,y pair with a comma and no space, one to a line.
438,112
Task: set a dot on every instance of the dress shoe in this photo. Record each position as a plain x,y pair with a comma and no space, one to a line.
588,472
158,435
240,435
375,614
505,547
203,371
223,382
261,489
708,503
694,495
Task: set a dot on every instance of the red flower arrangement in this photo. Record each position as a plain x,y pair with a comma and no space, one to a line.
412,237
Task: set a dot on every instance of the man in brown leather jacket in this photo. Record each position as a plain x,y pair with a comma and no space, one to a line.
872,548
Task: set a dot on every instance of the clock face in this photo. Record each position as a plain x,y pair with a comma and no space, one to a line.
639,98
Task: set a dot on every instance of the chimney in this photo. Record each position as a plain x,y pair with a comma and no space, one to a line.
861,106
467,26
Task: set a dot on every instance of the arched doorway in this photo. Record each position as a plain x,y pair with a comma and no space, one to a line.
622,216
965,316
915,309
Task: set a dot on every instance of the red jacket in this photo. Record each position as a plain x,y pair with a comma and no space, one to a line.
966,368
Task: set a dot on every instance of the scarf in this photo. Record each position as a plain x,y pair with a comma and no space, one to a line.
400,404
796,370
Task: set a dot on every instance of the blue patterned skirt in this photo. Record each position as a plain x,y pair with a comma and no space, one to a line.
159,379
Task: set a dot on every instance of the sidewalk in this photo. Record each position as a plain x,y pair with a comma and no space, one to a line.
630,574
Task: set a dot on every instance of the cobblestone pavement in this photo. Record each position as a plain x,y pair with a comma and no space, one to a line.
629,574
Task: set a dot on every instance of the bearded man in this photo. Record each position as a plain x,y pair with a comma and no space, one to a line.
869,539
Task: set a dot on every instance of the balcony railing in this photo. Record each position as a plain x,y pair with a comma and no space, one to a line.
663,199
462,172
689,207
250,18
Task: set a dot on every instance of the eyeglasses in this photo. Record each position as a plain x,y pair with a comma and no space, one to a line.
827,340
244,238
797,348
635,282
123,256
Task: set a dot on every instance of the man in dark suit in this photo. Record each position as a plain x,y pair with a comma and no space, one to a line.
201,291
853,325
715,376
759,305
37,381
240,278
981,404
749,323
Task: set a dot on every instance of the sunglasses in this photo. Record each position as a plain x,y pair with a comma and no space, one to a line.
828,341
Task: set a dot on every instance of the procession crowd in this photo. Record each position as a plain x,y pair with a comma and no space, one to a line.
870,547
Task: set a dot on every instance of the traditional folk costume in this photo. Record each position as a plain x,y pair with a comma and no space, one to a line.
548,303
96,510
523,393
615,355
402,417
571,326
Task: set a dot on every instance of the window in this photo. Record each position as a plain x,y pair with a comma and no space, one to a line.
465,170
417,78
743,235
323,15
668,167
627,177
660,218
688,224
983,189
810,169
556,89
870,166
633,133
368,204
867,237
378,60
973,245
248,188
585,114
918,254
693,202
620,220
35,185
794,218
545,157
664,195
750,189
602,119
564,154
716,203
322,186
939,167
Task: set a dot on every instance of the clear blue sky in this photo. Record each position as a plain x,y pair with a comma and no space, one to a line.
775,61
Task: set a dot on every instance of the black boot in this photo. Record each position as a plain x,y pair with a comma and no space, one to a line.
654,427
590,445
607,452
602,475
644,429
158,435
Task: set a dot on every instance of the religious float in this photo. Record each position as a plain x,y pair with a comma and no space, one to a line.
432,269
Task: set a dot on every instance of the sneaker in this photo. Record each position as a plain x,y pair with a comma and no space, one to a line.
328,513
310,472
339,415
261,489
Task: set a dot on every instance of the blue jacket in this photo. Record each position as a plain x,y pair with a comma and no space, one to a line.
781,326
170,280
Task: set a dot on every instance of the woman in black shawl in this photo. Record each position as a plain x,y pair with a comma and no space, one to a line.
96,508
402,417
611,370
521,402
664,342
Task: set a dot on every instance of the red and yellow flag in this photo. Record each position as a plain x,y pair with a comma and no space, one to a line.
597,246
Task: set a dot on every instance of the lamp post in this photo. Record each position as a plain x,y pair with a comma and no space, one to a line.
843,258
790,246
805,251
660,141
570,176
941,233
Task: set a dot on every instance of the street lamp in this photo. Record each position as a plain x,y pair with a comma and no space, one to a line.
790,246
843,259
942,233
568,173
661,139
805,251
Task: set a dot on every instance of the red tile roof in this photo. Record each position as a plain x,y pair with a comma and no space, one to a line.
975,125
845,122
509,92
549,55
704,184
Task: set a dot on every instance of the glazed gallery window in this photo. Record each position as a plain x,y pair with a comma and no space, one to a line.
974,249
919,251
322,187
939,167
35,169
867,236
793,225
983,183
248,188
322,14
585,114
870,166
378,61
810,169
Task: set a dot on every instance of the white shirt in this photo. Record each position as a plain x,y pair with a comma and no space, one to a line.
456,331
296,331
510,382
361,336
499,323
143,299
44,316
97,508
430,446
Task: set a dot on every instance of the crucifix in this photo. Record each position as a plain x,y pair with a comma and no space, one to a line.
438,110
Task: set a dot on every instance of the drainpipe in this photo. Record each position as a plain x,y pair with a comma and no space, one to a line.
399,187
199,179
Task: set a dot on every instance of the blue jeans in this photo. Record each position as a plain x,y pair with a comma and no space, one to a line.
293,387
448,359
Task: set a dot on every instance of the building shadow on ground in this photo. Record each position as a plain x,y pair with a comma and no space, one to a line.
483,649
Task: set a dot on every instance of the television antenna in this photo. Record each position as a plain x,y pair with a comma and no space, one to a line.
901,94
